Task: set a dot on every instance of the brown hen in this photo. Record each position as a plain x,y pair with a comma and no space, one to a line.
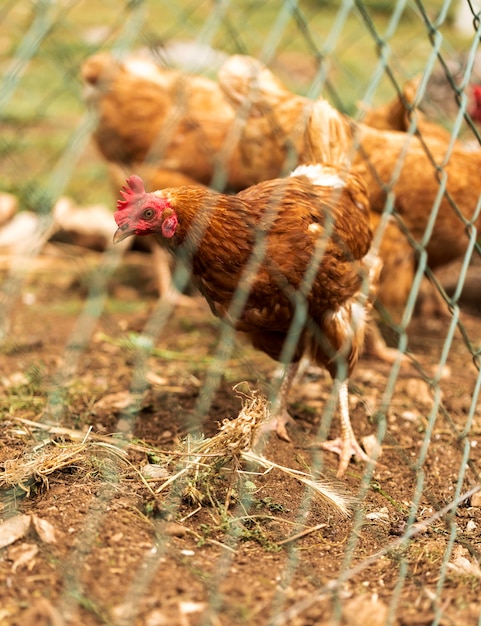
172,127
305,240
401,113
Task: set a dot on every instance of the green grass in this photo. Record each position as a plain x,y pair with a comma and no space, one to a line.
43,44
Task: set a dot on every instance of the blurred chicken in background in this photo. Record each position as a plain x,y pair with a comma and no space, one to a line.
156,122
432,113
401,112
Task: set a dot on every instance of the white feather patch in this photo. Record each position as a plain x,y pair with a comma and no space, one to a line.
148,70
141,67
350,318
319,175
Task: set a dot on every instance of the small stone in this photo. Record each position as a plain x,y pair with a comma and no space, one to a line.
381,516
372,446
176,530
410,416
191,607
476,499
471,526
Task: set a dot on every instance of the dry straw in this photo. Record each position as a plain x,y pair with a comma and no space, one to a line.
193,466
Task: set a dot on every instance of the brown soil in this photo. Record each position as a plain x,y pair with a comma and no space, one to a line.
123,554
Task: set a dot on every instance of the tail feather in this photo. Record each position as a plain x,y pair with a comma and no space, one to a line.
328,136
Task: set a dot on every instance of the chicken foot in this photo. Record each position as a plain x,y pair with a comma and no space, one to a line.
375,347
346,446
281,416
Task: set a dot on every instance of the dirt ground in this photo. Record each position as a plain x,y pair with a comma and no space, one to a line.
92,540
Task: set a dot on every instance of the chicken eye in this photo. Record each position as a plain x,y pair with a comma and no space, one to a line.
148,214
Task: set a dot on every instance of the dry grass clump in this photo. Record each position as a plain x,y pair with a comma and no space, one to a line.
35,466
194,468
231,449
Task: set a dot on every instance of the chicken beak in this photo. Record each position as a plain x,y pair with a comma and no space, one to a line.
121,234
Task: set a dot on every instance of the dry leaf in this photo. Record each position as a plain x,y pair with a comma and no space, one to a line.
119,400
23,555
365,610
380,516
154,471
461,564
44,529
13,529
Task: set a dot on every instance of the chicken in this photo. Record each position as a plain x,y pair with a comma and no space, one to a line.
436,218
439,101
144,124
443,91
285,256
258,96
401,112
176,128
147,114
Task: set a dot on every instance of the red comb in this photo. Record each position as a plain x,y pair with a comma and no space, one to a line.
477,91
133,188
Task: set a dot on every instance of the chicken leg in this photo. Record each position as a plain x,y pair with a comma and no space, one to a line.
281,417
346,445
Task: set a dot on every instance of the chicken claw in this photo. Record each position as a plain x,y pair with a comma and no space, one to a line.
278,424
281,417
346,445
345,448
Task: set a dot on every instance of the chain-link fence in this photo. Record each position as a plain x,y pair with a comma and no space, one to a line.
138,486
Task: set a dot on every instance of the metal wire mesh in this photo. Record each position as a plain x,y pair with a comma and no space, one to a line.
358,55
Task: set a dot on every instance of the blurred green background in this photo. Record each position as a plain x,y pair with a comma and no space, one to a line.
45,149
